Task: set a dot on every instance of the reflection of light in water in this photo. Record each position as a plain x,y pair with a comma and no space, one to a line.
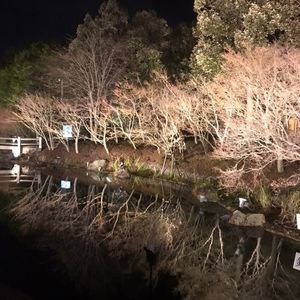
133,222
16,169
119,194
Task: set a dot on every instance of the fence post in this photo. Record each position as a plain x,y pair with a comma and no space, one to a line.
19,145
18,171
40,143
17,149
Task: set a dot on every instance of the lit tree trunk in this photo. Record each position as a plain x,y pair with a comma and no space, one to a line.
76,144
280,164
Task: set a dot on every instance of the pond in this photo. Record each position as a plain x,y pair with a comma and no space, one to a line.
71,234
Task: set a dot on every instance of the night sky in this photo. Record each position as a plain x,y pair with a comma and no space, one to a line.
25,21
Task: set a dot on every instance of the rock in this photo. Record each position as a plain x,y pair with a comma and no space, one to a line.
251,220
42,157
206,196
93,175
96,165
122,173
225,218
237,218
255,220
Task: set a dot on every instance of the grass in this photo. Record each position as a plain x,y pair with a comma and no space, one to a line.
263,196
290,204
206,183
134,166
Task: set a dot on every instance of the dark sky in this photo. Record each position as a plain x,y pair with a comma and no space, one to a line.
26,21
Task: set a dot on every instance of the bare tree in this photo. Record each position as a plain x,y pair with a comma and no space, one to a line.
97,118
89,68
161,115
38,114
93,62
251,104
72,114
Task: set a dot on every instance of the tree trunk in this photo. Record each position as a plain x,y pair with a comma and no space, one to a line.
280,165
76,145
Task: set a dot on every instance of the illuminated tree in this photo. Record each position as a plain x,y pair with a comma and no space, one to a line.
252,102
38,114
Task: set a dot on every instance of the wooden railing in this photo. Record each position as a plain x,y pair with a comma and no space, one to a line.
17,144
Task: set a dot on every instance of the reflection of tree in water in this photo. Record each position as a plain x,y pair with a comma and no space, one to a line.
100,235
265,276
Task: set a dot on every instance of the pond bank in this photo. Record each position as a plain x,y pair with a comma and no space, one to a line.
194,163
193,166
199,171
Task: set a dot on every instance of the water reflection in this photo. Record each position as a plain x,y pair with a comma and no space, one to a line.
116,242
14,173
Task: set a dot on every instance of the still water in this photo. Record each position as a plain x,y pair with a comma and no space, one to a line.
73,235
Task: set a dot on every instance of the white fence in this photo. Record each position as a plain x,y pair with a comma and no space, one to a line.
20,145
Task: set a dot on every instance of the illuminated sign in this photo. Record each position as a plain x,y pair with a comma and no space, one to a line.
298,221
243,202
65,184
67,131
296,265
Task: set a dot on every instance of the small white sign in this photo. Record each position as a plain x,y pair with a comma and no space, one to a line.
243,202
108,179
202,198
298,221
296,265
67,131
65,184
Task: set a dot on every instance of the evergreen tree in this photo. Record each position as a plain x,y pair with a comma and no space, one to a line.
20,72
148,38
225,24
109,48
111,22
95,59
177,56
